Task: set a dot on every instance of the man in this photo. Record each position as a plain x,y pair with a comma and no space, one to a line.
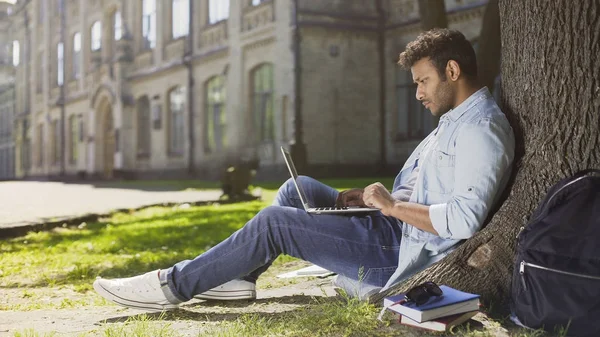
441,196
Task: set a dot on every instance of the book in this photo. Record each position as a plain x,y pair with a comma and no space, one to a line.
313,270
452,302
441,323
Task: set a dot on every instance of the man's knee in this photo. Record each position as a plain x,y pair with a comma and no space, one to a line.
289,186
269,213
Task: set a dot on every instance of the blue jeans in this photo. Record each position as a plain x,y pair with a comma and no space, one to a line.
357,247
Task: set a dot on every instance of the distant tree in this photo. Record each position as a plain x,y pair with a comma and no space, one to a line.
488,51
433,14
551,95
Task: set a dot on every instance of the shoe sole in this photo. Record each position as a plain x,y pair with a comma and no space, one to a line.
149,306
227,295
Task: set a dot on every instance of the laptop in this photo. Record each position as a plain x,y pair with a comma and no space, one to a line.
319,210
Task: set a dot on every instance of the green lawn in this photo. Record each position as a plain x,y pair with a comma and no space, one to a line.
38,267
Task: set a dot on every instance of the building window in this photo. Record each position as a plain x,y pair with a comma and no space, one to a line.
176,123
262,103
149,23
73,139
258,2
16,53
215,114
218,10
118,26
76,55
96,36
414,123
180,18
56,148
40,73
143,127
60,74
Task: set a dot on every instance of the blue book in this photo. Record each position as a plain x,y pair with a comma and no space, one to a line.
452,302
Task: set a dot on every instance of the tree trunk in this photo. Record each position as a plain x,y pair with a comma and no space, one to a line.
551,95
488,52
433,14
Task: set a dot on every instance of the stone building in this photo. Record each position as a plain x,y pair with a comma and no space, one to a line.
134,88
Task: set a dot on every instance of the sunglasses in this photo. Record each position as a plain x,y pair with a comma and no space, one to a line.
422,293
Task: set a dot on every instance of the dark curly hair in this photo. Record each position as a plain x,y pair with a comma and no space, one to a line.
441,46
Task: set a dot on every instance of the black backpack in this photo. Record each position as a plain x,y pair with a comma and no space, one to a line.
556,280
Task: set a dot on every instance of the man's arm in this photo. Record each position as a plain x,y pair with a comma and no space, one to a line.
484,154
376,195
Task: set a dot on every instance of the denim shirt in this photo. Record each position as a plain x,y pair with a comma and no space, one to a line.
464,165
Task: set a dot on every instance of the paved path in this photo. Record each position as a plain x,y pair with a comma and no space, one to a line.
24,203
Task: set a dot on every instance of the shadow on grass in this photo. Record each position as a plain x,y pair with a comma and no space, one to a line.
183,314
125,244
293,299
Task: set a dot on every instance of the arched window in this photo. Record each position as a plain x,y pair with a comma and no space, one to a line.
143,127
118,25
16,53
76,55
218,10
180,15
149,23
262,102
60,57
176,120
414,122
73,139
215,114
96,36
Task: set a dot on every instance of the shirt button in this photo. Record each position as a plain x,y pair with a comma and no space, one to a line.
440,157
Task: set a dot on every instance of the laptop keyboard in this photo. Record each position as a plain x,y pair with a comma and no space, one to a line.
331,208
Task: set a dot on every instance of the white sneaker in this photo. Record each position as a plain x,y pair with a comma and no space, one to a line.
233,290
138,292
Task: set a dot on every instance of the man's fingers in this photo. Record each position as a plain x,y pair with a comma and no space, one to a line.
355,203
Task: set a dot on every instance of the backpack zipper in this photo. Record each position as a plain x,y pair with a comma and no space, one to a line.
522,272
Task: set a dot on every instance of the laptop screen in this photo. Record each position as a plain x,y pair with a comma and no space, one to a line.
290,165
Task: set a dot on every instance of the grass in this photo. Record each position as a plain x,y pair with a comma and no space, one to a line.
54,270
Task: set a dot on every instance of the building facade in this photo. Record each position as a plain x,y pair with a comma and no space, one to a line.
7,96
134,88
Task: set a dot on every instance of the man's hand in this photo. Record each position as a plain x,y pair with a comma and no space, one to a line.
376,195
353,197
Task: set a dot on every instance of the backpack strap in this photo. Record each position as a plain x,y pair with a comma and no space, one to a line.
568,182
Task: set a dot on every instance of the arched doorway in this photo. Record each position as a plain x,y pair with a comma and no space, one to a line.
106,138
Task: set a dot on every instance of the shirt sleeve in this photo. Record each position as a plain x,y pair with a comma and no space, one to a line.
483,157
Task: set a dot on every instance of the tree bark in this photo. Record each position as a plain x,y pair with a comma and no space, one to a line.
433,14
488,52
551,95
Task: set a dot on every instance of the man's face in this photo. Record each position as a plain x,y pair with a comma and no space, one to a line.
436,95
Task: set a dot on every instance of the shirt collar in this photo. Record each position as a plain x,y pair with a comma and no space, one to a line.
476,97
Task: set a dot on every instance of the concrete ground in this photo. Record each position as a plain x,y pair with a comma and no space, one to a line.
24,203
